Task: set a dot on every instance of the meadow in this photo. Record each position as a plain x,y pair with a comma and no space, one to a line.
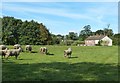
88,63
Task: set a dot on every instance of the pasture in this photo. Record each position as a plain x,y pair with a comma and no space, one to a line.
86,64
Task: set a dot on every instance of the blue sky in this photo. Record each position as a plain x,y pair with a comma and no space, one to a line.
63,17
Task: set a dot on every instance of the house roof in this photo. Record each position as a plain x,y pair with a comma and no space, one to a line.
98,37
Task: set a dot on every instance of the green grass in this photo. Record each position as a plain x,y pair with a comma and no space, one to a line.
86,64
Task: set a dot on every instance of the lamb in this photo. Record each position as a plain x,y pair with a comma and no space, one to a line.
13,52
3,47
43,50
28,48
67,53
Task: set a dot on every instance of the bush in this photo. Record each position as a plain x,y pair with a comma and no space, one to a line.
66,42
75,43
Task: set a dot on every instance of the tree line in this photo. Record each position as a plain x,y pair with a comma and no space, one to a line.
30,32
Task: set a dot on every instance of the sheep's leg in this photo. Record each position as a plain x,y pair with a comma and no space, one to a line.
69,55
16,56
65,55
26,49
46,51
40,50
3,56
30,50
6,56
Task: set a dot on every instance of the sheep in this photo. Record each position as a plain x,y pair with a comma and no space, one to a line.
16,46
67,53
28,48
43,50
3,47
3,52
13,52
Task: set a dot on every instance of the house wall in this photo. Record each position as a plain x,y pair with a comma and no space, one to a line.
96,41
89,42
107,39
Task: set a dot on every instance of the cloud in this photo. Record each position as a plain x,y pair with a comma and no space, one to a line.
45,10
49,11
94,15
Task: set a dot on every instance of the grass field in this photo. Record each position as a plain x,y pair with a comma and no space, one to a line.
86,64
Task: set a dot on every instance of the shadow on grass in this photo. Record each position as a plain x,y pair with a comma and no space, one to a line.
30,51
59,71
24,59
73,57
34,52
49,53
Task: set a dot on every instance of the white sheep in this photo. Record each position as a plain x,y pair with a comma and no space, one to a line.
43,50
28,48
13,52
3,52
3,47
16,46
67,53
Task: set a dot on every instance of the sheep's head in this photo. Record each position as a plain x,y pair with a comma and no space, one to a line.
20,49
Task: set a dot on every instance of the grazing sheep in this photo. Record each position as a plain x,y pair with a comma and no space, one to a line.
67,53
17,46
28,48
3,47
3,52
13,52
43,50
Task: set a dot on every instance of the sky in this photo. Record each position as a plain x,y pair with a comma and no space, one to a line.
64,17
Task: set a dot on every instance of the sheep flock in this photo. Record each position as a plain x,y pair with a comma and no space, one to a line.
5,52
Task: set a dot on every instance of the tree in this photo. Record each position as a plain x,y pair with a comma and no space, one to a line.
9,30
0,31
15,31
44,34
107,31
99,32
61,37
85,32
116,39
73,36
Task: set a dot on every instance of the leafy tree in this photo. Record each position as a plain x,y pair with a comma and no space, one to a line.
56,39
0,31
44,34
116,39
85,32
61,37
107,31
9,30
99,32
73,36
16,31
